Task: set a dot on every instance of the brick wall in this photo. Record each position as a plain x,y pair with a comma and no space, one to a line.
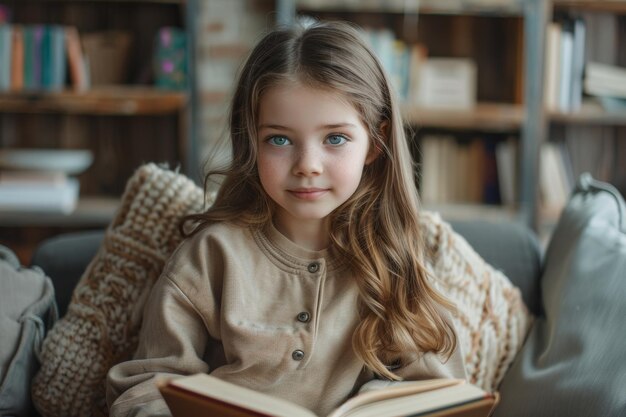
227,29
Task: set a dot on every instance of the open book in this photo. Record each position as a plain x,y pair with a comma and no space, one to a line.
202,394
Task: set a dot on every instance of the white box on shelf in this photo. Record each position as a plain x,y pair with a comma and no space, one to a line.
448,83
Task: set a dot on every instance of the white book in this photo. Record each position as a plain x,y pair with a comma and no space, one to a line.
605,88
36,197
553,61
605,80
448,83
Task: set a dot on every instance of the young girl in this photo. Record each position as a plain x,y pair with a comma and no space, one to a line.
314,271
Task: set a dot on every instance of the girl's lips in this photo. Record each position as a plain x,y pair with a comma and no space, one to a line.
308,193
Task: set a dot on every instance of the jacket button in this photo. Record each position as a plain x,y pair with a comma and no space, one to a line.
313,267
304,317
297,355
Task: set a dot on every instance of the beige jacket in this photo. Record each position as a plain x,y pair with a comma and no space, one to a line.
254,309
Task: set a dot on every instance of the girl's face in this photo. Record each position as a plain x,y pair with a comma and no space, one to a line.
312,150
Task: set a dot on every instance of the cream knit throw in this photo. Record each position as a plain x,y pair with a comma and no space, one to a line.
101,326
492,320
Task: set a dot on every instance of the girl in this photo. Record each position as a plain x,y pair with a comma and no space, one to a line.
313,272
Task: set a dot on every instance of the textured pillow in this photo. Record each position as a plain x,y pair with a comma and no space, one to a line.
101,326
492,320
574,360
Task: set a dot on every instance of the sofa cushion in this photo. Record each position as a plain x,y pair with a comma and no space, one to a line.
511,248
102,322
573,362
65,258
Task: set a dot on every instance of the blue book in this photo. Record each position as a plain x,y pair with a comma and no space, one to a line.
6,34
46,58
58,63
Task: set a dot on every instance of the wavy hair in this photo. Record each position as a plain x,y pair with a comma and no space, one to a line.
377,230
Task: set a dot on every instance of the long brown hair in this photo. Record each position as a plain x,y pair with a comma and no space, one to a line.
377,230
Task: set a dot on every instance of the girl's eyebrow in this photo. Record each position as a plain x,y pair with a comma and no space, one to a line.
323,127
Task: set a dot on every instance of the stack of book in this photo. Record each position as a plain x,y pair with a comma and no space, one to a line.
608,83
40,180
50,192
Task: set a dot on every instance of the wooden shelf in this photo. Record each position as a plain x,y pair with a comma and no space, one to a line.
115,100
610,6
456,7
591,113
467,211
90,212
182,2
485,117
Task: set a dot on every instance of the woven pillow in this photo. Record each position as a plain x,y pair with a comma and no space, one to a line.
101,326
492,319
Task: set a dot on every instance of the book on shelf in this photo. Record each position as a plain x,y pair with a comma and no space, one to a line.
6,42
402,61
605,80
553,63
203,394
38,191
454,170
565,64
556,178
37,57
78,67
17,60
448,83
566,56
506,162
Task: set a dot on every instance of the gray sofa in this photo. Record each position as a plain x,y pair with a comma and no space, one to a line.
572,362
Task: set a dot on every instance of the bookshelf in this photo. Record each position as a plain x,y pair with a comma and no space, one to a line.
128,106
510,79
494,117
104,101
125,122
591,134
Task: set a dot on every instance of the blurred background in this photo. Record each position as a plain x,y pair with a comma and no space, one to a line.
506,102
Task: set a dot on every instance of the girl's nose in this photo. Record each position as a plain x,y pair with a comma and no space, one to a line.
308,163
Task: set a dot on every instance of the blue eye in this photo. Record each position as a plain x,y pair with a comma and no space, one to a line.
336,140
278,141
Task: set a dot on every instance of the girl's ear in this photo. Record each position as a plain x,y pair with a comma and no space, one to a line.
375,150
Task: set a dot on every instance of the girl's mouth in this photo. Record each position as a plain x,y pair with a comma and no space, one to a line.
308,193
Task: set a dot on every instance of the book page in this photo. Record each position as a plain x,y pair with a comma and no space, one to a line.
394,391
455,399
